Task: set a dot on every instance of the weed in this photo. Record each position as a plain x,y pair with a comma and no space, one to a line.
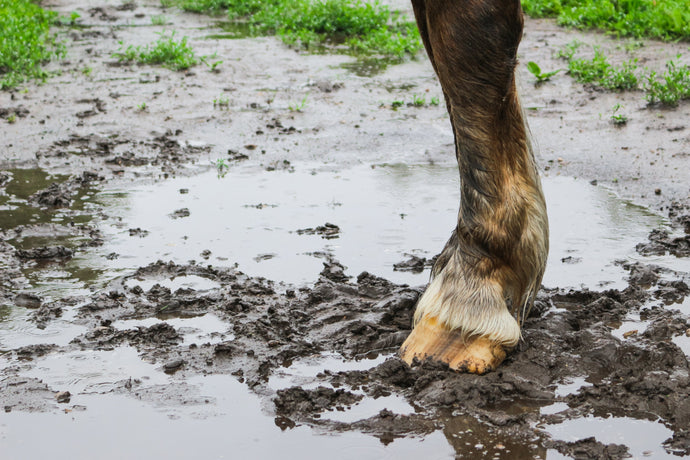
167,3
534,68
633,45
417,101
142,107
176,55
569,50
618,119
667,20
221,101
222,167
213,66
622,77
87,71
298,107
11,118
589,70
395,105
673,86
600,72
25,42
159,20
70,20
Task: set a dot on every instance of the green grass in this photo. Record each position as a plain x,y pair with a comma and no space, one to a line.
361,27
25,42
664,19
165,51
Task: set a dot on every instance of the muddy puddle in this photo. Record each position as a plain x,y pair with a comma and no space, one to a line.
177,333
282,225
153,306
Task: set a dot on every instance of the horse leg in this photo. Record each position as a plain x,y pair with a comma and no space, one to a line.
485,279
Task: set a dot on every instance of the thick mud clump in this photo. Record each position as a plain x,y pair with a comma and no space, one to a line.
569,336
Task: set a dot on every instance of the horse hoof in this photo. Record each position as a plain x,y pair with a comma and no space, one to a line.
431,340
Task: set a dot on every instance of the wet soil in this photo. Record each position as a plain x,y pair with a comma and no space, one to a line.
612,359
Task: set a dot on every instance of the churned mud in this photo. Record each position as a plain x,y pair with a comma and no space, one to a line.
158,303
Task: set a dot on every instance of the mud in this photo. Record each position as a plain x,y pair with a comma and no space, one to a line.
568,336
90,329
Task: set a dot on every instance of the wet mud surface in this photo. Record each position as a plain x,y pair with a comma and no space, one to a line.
90,331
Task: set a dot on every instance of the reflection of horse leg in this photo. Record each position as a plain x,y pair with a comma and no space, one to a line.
484,282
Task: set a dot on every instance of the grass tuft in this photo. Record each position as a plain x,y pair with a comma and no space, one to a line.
25,42
165,51
599,71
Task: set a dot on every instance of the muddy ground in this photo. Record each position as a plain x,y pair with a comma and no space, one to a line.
610,358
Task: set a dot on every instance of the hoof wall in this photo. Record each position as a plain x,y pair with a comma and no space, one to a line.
431,340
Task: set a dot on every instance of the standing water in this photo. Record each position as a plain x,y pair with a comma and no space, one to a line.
280,225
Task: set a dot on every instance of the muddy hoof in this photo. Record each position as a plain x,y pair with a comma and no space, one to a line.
431,340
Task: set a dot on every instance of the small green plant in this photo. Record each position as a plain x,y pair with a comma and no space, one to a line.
434,101
670,87
159,20
222,167
541,76
87,71
213,66
142,107
221,101
70,20
589,70
618,119
633,45
167,3
298,107
569,50
599,71
395,105
623,77
418,101
165,51
11,118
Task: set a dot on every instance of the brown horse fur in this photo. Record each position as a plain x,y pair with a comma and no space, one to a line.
485,279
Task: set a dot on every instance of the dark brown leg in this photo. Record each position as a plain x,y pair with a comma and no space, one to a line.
485,280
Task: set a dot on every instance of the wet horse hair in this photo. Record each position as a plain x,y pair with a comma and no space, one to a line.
485,279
